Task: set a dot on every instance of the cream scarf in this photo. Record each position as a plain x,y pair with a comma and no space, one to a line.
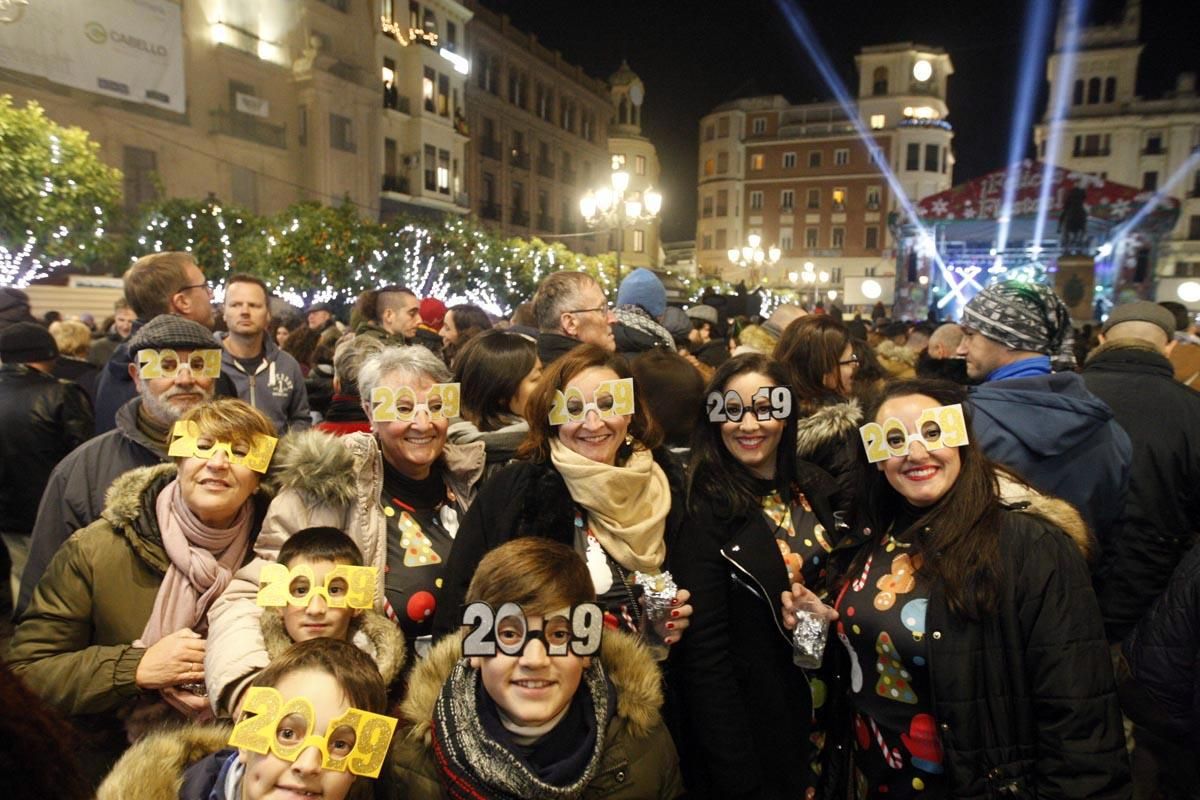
627,506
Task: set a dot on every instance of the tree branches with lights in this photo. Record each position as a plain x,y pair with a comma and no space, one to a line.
208,229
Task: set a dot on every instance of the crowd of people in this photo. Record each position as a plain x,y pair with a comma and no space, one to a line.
597,549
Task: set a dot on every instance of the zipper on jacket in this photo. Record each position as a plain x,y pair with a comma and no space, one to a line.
761,593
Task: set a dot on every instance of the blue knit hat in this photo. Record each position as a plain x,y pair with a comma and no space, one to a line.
643,288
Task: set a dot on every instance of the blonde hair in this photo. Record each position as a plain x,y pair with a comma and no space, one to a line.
228,419
72,337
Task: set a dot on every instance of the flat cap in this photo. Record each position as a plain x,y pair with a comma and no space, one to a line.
703,312
174,332
1142,311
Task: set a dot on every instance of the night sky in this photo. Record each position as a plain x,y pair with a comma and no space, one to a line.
692,56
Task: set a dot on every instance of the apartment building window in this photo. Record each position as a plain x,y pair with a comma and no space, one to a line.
520,216
756,200
387,10
789,160
912,157
341,133
810,238
1110,89
516,88
489,189
757,161
722,163
839,238
814,199
542,102
723,127
759,125
443,97
710,166
931,158
639,240
1150,181
414,14
721,239
722,202
567,115
451,37
878,122
787,200
1195,184
710,132
443,173
543,209
871,239
1154,144
879,81
706,206
785,241
391,162
245,188
814,158
639,165
945,159
841,157
430,168
872,198
340,5
140,167
839,199
706,242
429,88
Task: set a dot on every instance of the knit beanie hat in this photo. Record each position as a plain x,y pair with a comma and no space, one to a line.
1024,316
643,288
24,342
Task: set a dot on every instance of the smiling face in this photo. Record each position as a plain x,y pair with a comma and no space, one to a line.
531,688
412,446
269,777
594,438
751,441
922,477
317,618
168,398
214,489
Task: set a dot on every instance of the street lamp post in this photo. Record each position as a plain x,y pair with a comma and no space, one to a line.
752,256
810,276
615,206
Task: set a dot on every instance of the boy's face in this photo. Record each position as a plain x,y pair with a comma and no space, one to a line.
532,688
268,776
316,618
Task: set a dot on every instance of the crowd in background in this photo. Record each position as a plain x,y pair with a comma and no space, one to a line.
203,503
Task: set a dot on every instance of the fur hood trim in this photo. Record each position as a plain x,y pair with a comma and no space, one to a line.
1025,499
123,500
626,662
153,768
370,631
316,464
896,352
827,423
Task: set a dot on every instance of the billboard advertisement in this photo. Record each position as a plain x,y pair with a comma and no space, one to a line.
129,49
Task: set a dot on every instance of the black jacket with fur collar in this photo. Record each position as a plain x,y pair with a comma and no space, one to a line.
829,438
526,499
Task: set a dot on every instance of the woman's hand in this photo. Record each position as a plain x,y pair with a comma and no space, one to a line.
193,706
174,659
678,617
801,599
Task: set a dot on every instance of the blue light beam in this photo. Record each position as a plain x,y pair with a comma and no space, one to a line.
1058,106
1127,227
1037,24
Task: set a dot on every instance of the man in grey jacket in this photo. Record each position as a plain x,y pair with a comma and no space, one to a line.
263,375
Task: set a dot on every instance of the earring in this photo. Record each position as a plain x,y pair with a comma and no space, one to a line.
628,440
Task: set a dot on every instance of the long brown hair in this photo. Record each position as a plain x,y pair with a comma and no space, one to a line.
810,349
960,543
536,446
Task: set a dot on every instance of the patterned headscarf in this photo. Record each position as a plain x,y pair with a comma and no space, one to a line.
1024,316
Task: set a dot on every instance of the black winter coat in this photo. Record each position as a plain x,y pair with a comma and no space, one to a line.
42,419
829,439
1161,518
1162,691
1024,699
746,706
526,499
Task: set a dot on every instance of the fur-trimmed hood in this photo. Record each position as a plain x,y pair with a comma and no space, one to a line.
1025,499
370,631
889,350
153,768
626,662
129,509
827,424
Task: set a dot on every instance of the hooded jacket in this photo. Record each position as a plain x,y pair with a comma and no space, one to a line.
638,759
899,360
1061,438
1161,517
1024,699
317,479
371,632
275,388
154,768
636,332
74,495
829,439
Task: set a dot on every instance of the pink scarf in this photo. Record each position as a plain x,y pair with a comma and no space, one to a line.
203,561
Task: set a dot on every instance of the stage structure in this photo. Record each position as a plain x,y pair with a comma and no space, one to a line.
1099,246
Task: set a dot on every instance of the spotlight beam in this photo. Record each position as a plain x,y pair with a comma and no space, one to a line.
1127,227
1058,106
1037,23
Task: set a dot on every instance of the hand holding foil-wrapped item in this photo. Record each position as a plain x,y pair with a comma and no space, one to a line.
808,619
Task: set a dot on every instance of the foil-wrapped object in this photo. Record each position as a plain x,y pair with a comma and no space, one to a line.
658,596
808,639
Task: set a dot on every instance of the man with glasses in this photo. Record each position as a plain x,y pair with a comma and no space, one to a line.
159,283
571,309
174,366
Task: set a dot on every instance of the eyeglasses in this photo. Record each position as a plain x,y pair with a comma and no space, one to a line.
604,309
205,286
851,360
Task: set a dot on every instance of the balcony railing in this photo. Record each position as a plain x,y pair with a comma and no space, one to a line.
394,100
545,168
243,126
490,211
395,183
489,148
1091,152
519,158
519,217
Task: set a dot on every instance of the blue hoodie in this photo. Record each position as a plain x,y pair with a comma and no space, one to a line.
1061,438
